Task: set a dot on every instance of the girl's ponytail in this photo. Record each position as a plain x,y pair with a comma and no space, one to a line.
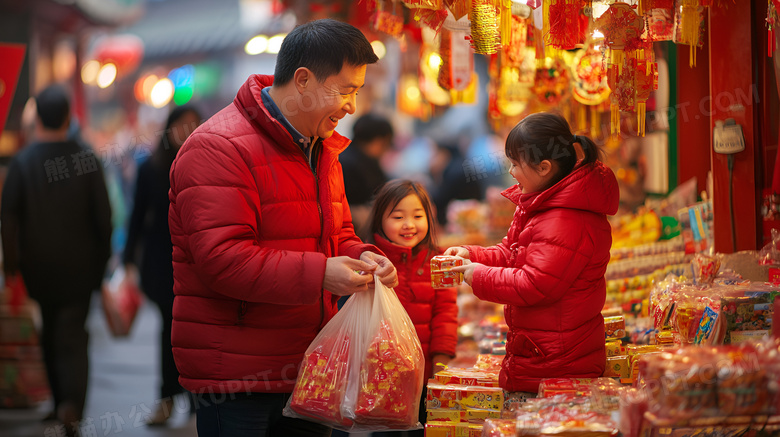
591,151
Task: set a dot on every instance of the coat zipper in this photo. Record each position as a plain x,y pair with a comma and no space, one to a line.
322,222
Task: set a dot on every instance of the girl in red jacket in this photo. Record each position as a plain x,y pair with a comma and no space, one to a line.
402,225
549,269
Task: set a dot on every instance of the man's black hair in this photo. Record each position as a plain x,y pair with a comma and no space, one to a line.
322,46
53,106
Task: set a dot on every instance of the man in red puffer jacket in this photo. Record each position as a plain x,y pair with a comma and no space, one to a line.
262,233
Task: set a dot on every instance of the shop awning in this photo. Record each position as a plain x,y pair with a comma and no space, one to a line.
174,28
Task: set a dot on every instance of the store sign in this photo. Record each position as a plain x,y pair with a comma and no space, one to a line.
727,137
13,58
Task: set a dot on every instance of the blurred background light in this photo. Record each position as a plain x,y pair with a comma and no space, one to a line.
89,72
256,45
379,48
106,75
162,93
275,43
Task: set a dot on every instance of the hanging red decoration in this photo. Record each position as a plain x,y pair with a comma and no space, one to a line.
562,23
457,63
589,79
659,19
632,73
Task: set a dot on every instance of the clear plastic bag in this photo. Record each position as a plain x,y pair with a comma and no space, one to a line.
364,370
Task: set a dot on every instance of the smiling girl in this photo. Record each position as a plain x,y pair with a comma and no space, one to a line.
402,224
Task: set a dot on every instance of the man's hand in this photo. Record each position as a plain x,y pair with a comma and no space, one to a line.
384,269
457,251
467,269
345,275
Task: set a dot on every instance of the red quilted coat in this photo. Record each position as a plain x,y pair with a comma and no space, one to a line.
434,312
252,227
549,272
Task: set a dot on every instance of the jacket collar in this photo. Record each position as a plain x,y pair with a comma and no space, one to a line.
393,251
249,100
590,187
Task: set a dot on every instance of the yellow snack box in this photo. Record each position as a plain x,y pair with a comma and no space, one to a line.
462,397
615,348
617,367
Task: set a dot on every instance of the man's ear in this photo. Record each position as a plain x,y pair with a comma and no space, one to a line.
301,78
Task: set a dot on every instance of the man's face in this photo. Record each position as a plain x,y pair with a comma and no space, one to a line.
325,103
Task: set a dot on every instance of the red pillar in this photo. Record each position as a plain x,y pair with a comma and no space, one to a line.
693,127
734,93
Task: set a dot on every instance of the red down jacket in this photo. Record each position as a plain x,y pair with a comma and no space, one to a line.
549,272
434,312
251,230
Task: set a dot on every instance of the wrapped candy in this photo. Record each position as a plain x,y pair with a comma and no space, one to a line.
322,381
388,377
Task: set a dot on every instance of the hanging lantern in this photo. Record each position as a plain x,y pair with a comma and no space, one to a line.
562,23
645,81
384,20
589,80
457,60
485,38
622,29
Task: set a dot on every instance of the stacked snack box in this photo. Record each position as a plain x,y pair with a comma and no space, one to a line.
617,361
459,400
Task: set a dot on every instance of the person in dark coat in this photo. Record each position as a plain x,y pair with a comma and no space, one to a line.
56,230
372,136
148,231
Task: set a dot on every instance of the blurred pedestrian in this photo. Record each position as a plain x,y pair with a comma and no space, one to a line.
263,242
56,229
450,179
372,136
148,231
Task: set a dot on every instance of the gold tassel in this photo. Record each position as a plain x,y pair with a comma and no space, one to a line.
617,57
582,118
615,123
640,118
506,22
595,122
690,27
546,21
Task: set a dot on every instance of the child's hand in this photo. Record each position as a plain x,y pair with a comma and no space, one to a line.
457,251
468,270
439,362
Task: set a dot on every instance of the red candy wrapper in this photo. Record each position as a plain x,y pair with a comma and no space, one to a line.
322,382
389,379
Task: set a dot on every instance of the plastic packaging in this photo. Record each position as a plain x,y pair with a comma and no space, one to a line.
364,370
